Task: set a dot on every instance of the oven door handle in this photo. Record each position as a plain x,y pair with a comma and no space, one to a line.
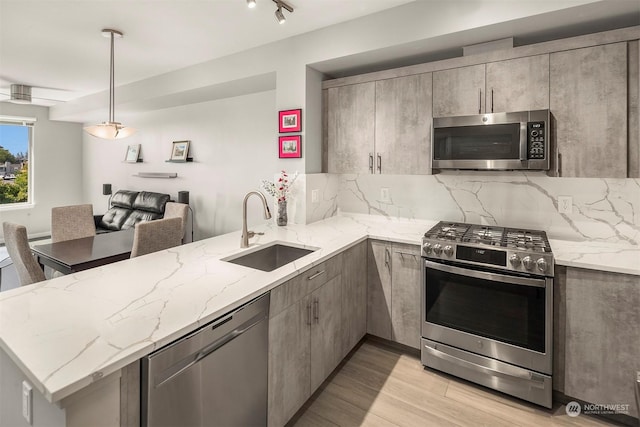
535,380
495,277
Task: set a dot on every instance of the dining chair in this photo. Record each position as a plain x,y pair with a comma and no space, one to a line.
153,236
17,243
72,222
177,210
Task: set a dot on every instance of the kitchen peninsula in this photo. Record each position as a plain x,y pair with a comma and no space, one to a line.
71,333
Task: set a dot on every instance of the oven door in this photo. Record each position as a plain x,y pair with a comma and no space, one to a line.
501,316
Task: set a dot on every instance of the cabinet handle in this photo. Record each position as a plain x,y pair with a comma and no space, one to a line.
379,163
317,273
479,101
316,310
492,100
559,165
402,254
309,314
387,257
370,162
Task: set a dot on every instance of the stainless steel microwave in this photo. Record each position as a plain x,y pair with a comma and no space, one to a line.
497,141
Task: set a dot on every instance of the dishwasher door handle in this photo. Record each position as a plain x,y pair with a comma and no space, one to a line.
185,364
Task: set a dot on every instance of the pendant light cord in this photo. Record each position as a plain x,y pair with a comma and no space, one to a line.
111,84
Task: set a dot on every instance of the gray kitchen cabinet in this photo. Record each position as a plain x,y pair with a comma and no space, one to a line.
354,296
393,297
519,84
350,128
289,362
380,127
589,108
326,328
459,91
305,337
406,277
379,289
403,125
602,338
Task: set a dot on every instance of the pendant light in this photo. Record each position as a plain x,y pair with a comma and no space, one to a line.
110,129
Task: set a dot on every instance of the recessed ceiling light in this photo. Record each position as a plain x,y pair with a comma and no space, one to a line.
251,4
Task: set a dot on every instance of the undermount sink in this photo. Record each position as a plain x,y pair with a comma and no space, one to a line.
268,258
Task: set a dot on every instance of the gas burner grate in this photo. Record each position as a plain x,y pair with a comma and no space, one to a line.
527,239
447,231
484,235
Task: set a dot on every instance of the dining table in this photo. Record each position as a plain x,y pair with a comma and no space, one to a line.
75,255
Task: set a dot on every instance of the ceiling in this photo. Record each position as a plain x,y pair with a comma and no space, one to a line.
64,37
56,46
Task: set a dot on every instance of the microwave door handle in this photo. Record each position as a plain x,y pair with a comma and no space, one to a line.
523,141
494,277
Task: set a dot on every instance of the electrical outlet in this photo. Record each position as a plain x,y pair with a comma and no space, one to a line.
565,204
315,196
384,195
27,401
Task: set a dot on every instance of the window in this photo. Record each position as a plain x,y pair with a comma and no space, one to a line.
16,142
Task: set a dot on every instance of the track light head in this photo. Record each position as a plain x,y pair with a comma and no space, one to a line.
282,5
251,4
280,16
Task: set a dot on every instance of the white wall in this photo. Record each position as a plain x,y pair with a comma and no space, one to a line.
234,146
56,164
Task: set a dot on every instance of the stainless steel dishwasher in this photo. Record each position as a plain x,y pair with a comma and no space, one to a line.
215,376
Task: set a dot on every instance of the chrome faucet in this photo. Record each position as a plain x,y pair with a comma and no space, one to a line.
246,235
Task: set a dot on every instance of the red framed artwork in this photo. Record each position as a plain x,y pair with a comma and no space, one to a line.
290,146
290,121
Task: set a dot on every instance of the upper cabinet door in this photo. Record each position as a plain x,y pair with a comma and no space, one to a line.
403,125
459,91
350,127
589,105
520,84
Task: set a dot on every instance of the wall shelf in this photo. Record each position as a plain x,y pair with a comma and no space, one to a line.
189,160
156,175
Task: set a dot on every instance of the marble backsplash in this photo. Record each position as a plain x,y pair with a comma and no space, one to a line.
606,210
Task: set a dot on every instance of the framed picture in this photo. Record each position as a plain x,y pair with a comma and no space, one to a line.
289,146
180,150
290,121
133,152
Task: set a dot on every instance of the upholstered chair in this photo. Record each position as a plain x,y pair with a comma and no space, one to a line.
28,269
153,236
72,222
177,210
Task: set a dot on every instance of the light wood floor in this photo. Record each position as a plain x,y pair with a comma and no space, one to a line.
381,386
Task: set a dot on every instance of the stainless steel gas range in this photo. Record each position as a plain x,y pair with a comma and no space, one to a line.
487,307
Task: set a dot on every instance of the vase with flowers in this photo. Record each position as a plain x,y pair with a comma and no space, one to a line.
279,190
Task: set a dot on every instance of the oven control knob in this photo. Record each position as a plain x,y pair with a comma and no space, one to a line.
448,250
528,263
515,260
437,249
426,248
542,264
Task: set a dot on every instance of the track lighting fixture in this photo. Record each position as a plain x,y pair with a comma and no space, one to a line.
282,5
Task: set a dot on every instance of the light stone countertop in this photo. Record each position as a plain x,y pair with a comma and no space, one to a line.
68,332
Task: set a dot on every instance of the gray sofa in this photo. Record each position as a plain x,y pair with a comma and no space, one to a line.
130,207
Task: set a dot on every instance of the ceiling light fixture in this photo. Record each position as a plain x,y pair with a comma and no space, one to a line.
110,129
251,4
20,94
282,5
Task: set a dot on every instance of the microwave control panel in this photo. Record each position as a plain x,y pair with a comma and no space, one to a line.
536,140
